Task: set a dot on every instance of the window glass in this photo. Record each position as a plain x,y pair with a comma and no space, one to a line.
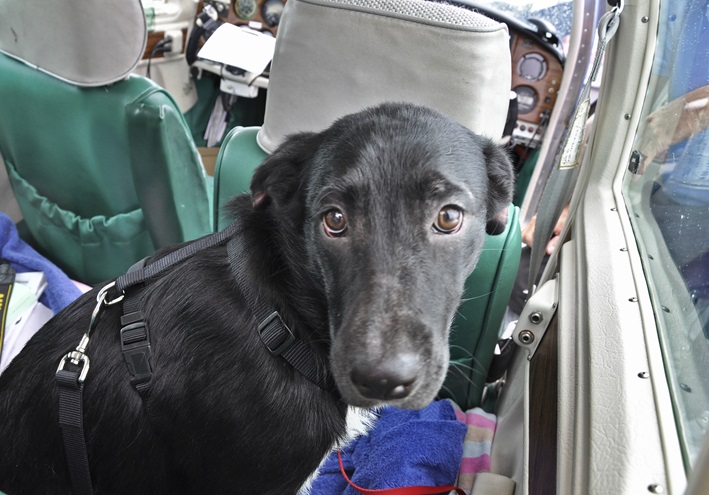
667,193
556,12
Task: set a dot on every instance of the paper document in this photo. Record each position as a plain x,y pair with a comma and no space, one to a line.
25,293
19,333
239,47
25,314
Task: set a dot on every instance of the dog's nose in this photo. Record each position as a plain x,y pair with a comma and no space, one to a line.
392,379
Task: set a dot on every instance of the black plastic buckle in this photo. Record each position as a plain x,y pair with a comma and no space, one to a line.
501,362
634,163
135,345
263,328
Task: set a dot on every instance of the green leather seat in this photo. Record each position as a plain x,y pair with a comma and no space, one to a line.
475,330
103,175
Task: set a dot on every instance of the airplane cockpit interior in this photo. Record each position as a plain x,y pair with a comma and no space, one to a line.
323,247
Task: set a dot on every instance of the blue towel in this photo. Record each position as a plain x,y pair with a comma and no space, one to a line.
60,289
404,448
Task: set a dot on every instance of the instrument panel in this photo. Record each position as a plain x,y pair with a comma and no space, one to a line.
536,77
261,15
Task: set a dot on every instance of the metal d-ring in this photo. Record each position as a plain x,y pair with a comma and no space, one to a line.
101,296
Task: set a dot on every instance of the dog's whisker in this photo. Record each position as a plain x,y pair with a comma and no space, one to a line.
459,369
465,377
448,390
466,351
475,371
460,315
479,296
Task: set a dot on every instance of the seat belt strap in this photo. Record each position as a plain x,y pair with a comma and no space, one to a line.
560,181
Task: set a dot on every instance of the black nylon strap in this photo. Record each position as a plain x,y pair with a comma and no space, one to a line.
274,333
135,343
71,421
135,334
124,282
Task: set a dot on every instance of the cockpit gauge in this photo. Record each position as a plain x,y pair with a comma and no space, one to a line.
245,9
532,67
527,98
271,12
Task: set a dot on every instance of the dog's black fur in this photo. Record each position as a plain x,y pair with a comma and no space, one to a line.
370,302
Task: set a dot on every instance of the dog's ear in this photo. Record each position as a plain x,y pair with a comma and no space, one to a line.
500,174
277,181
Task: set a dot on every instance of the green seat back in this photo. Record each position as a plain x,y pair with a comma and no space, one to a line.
104,175
476,328
238,157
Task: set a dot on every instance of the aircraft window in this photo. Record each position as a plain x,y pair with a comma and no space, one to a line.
555,15
667,194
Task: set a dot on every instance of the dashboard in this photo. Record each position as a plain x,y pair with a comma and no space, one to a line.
537,70
536,77
260,15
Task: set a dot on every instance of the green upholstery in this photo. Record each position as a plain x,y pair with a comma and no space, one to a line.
103,176
476,328
238,157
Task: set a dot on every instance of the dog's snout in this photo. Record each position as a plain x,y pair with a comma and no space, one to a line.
392,379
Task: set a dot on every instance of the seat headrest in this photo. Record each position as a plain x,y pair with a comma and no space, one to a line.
335,57
85,43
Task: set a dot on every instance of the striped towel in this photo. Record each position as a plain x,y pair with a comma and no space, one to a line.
477,444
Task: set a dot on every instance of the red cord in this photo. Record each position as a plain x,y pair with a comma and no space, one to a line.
407,490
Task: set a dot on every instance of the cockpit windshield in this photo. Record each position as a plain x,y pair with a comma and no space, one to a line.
544,14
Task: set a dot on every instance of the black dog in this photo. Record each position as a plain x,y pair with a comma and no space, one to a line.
360,236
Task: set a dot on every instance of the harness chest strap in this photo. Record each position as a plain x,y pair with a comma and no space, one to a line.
135,345
273,331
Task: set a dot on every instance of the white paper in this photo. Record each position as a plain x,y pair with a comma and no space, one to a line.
239,47
19,333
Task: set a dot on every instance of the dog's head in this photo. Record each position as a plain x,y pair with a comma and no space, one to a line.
393,203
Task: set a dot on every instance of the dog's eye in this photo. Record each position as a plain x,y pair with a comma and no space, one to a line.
449,220
334,223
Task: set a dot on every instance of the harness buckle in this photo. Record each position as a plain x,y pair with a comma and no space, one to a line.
135,345
269,334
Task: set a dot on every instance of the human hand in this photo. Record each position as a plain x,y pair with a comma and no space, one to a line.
659,131
528,231
673,123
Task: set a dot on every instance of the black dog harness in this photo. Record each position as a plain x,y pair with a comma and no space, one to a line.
136,349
